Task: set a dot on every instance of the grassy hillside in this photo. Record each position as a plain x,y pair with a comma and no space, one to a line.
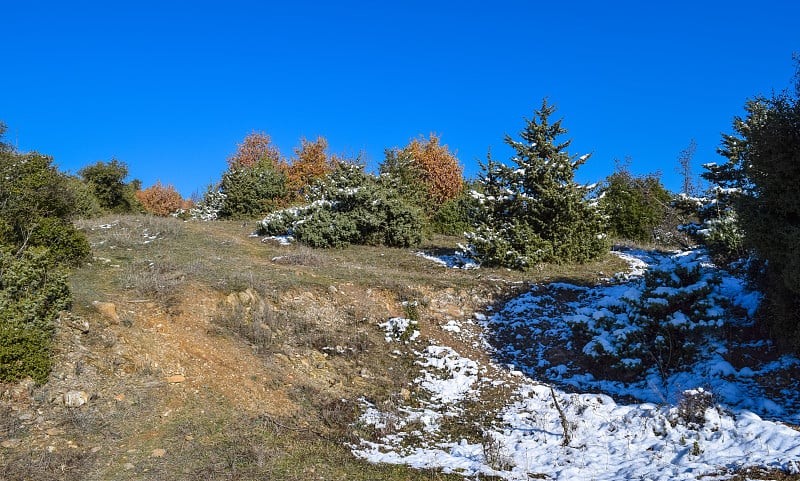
195,350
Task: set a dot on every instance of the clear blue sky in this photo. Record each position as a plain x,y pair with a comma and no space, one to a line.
170,87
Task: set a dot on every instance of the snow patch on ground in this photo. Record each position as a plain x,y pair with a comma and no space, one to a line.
458,260
699,421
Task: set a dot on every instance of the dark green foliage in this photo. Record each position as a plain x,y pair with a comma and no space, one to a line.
32,292
107,181
86,205
455,217
36,207
535,212
401,173
760,185
252,190
663,326
66,245
32,187
36,240
635,206
349,207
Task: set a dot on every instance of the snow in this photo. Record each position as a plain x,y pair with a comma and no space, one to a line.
457,260
701,420
400,329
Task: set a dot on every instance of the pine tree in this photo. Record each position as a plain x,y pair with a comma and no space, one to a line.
757,193
535,212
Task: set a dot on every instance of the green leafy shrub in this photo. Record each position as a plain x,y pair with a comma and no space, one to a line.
65,244
32,293
37,239
37,205
86,205
349,207
635,206
107,181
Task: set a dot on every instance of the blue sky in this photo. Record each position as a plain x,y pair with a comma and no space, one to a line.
171,87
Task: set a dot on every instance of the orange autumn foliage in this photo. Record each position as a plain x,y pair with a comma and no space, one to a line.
161,200
255,146
440,169
311,162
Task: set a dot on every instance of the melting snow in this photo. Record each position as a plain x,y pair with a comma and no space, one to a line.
655,428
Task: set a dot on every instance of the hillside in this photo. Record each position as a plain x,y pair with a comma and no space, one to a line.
194,350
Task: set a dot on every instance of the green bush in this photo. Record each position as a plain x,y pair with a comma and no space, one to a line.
107,182
635,206
86,204
65,244
454,217
36,240
32,293
252,191
349,207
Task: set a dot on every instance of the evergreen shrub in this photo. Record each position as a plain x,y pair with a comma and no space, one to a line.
535,212
32,293
635,206
662,321
253,190
349,207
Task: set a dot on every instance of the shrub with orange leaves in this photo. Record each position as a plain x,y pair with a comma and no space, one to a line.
438,167
161,200
311,162
256,146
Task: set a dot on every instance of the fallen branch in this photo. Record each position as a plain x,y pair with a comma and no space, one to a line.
564,423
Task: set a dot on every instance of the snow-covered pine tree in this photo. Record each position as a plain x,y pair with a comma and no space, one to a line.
536,212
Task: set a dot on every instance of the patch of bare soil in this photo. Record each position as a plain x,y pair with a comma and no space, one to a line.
186,350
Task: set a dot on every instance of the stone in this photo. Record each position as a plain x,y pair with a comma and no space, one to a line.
128,466
74,322
10,443
177,378
75,399
54,431
158,453
108,310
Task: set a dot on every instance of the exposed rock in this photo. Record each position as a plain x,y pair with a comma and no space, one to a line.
177,378
108,310
10,443
74,322
75,399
